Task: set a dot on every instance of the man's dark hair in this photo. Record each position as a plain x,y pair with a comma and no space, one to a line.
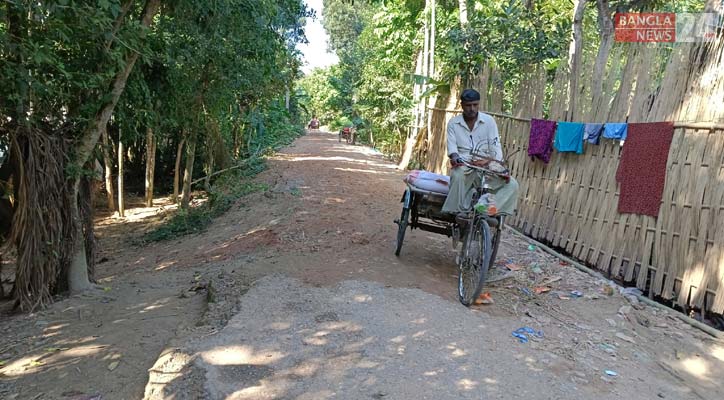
470,95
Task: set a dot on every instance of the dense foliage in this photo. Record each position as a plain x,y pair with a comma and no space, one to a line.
378,43
216,77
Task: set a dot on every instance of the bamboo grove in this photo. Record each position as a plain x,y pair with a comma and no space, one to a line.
144,89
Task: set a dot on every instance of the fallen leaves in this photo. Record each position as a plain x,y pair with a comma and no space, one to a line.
513,267
542,289
484,298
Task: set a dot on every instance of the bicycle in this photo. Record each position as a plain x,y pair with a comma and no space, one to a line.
422,209
481,239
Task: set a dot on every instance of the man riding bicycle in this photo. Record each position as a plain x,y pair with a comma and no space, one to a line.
314,123
475,130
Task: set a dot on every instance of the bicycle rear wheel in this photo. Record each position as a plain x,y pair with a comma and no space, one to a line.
474,261
401,228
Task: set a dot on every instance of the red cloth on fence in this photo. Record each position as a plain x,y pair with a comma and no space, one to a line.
540,142
642,169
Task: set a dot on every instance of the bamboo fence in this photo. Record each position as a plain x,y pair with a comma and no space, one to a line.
571,203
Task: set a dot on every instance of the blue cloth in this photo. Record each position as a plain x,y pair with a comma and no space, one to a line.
615,131
522,334
569,137
592,133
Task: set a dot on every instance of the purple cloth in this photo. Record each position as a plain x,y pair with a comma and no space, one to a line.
541,139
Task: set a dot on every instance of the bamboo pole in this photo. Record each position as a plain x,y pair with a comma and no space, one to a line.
150,165
108,161
711,126
121,202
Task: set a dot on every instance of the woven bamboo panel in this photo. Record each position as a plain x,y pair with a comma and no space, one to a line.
571,204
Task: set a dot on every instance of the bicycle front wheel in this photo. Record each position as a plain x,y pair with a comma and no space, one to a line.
474,261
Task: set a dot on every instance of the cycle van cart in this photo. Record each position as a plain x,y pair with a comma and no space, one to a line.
480,234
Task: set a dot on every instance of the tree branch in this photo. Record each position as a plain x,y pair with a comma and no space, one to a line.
118,22
90,137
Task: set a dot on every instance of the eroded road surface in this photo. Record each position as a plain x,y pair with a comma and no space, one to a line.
320,307
295,294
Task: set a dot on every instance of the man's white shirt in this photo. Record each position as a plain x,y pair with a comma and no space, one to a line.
484,137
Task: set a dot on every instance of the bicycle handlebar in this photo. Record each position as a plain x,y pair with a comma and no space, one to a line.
504,174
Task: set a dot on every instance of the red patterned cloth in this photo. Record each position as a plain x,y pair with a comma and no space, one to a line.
642,168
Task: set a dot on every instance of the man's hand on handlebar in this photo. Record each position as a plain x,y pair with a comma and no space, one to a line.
456,160
481,163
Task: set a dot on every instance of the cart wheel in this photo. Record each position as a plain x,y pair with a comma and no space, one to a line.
474,261
402,226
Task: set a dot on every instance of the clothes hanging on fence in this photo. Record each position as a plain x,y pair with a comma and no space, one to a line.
569,137
592,133
616,131
642,168
540,142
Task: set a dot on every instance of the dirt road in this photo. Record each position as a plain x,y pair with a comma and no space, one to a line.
309,302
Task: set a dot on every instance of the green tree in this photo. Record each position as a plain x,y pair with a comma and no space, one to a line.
68,66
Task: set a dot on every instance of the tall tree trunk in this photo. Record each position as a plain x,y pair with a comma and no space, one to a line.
78,278
574,58
85,204
189,171
237,139
108,161
420,111
90,136
150,165
497,91
425,70
463,5
16,22
605,27
210,165
121,202
177,167
433,17
78,271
